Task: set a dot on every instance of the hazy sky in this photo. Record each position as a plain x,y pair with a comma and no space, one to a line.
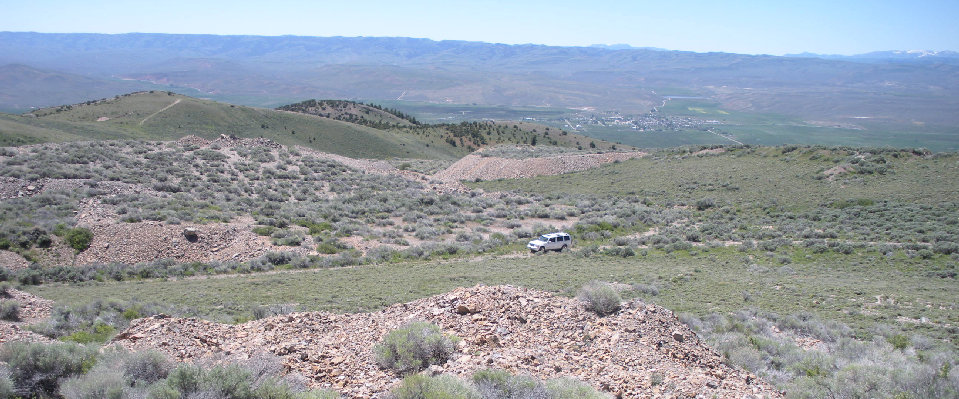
753,27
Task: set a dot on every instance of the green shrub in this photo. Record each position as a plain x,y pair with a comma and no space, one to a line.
600,298
705,203
414,347
36,368
9,310
248,381
567,388
79,238
441,387
98,383
5,289
99,333
146,367
496,384
899,341
264,230
491,384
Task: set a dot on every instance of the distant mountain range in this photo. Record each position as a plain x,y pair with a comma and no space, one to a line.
923,56
50,69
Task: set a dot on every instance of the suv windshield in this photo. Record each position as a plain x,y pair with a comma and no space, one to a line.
543,238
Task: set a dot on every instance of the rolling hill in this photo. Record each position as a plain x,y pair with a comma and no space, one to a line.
352,130
167,116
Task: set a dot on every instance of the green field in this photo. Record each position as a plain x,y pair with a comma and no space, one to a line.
748,177
699,282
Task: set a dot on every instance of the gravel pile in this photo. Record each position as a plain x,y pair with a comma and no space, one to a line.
132,243
12,261
642,351
473,167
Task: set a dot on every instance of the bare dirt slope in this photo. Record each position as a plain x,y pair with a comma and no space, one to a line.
473,167
643,351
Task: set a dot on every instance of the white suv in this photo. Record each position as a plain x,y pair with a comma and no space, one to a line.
551,242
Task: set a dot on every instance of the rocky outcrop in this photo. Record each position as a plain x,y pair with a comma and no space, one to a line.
642,351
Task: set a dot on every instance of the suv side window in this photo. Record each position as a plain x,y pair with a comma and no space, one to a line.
566,238
552,239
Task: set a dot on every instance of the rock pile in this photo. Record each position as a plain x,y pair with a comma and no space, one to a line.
11,187
12,261
132,243
473,167
32,310
643,351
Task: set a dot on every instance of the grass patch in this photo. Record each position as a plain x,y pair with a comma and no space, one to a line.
708,282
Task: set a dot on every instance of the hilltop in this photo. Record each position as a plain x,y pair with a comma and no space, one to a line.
468,135
353,130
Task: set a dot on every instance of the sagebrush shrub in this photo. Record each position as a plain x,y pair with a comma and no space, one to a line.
568,388
36,368
492,384
500,384
600,298
419,386
414,347
9,310
6,383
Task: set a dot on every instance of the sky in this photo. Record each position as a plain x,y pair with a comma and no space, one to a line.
748,27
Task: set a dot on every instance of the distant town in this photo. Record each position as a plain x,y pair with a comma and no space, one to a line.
649,122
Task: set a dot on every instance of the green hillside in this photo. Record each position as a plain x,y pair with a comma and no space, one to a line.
167,116
464,137
353,129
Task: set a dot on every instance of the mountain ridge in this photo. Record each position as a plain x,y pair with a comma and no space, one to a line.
275,70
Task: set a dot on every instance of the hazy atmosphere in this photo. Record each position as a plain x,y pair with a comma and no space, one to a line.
749,27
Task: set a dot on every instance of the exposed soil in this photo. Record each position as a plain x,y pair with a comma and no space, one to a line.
473,167
643,351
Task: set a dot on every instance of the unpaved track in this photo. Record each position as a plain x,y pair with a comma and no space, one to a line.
156,113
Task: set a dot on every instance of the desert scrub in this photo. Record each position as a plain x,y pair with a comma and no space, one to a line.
97,321
502,384
73,371
36,368
118,374
414,347
600,298
492,384
844,366
6,383
444,386
9,310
